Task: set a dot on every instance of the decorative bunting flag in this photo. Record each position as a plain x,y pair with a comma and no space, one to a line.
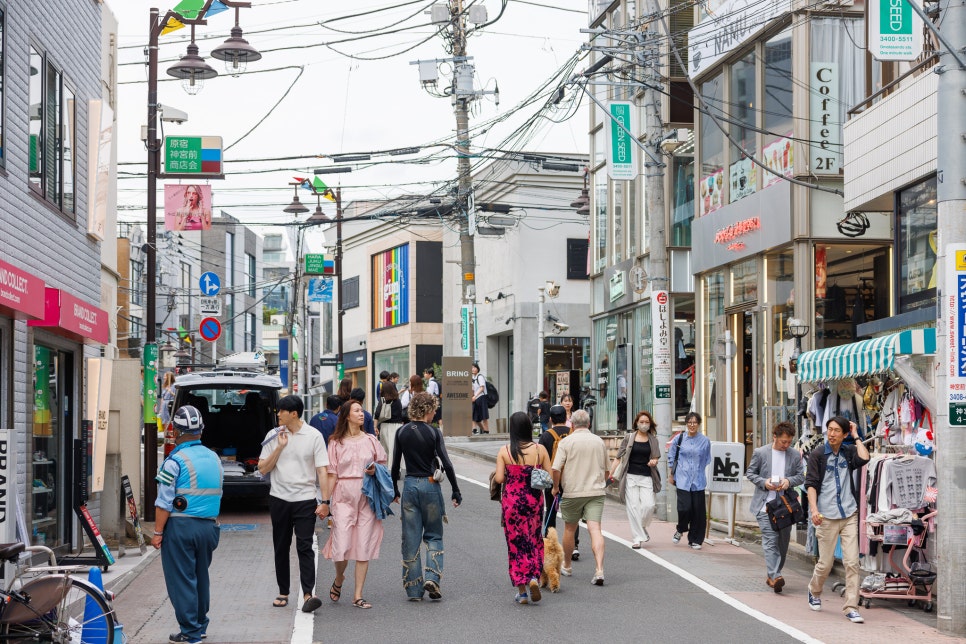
189,8
173,24
183,334
215,8
323,189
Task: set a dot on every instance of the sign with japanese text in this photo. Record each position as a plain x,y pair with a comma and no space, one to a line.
198,156
210,305
955,312
661,336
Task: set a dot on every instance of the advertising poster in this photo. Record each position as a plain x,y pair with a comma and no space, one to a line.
187,207
711,191
744,178
777,157
390,287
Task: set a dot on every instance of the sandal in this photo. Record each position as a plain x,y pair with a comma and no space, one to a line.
281,601
335,591
361,603
311,604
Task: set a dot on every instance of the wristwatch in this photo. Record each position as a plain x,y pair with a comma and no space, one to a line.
325,502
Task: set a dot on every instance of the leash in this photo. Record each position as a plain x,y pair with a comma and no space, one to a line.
553,510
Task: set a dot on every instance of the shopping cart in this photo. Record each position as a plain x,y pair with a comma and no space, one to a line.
913,580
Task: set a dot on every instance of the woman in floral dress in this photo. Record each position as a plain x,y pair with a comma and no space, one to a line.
356,532
522,507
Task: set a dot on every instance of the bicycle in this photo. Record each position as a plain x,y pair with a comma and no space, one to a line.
48,604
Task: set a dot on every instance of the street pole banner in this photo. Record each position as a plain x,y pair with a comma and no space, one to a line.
661,344
726,467
457,396
621,149
954,308
895,30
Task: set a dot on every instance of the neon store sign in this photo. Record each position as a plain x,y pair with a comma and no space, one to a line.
729,236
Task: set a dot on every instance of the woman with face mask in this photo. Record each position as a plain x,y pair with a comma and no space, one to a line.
638,477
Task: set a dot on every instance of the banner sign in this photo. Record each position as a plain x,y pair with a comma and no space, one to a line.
954,308
457,395
320,289
661,344
187,207
621,150
390,287
824,125
895,30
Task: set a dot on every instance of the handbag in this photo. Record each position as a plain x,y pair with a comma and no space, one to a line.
385,410
622,464
496,489
540,479
784,510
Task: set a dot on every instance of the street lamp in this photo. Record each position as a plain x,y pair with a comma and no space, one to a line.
192,73
798,330
320,218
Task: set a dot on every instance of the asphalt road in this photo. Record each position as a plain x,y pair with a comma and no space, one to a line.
640,601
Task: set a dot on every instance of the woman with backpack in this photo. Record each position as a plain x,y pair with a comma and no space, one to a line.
389,420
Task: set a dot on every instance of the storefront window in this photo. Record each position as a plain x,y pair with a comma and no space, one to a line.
712,147
780,296
682,206
743,174
852,286
713,287
391,360
776,140
744,282
916,231
51,385
600,220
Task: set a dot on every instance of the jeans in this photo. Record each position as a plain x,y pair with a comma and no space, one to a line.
827,534
422,520
692,515
639,503
775,545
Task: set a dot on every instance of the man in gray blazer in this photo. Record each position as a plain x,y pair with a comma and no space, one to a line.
774,468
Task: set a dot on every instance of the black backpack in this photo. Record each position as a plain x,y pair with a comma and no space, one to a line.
492,395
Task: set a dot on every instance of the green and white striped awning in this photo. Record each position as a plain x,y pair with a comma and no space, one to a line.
866,357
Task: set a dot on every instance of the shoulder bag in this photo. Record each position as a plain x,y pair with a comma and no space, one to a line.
496,489
385,410
621,468
784,510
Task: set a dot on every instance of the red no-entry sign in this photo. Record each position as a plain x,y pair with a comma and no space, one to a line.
210,329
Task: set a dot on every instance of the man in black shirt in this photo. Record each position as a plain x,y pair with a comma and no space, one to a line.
422,446
550,439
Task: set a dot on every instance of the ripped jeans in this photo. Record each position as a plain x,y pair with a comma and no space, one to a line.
422,520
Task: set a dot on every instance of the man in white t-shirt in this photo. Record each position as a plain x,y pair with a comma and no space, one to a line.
481,412
296,458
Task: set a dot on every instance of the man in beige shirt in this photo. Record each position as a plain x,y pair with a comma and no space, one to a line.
581,465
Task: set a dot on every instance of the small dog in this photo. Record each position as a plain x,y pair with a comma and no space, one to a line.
552,561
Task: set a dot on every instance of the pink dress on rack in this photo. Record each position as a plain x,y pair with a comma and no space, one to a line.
356,534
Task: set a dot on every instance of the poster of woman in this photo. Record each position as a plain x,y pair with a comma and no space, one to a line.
187,207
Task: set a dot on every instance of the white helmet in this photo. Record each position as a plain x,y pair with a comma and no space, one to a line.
187,420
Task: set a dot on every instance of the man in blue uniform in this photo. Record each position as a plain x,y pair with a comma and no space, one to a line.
189,495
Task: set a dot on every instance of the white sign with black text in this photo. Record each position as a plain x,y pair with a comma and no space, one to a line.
825,124
727,467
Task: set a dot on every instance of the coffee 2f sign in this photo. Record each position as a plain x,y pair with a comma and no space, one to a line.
825,125
895,30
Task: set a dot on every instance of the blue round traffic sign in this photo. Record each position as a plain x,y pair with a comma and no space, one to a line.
210,283
210,329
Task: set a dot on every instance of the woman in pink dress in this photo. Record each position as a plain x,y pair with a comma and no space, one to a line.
356,533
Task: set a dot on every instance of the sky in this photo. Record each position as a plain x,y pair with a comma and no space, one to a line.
309,100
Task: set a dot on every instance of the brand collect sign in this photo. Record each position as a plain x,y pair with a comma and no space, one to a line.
21,291
73,316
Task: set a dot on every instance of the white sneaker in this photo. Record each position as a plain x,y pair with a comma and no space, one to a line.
566,572
695,546
854,617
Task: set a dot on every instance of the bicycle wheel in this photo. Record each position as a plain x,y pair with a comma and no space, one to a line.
60,609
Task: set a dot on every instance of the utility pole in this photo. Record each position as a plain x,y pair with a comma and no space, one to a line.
462,95
951,226
657,266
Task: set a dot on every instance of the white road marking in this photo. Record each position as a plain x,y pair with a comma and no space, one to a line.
718,594
304,627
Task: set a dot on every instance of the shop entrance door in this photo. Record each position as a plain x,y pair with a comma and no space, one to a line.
746,379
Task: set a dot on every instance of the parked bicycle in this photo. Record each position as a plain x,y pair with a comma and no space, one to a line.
587,402
49,604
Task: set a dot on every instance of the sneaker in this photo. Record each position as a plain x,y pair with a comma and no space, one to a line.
576,555
815,603
476,430
566,572
694,546
854,617
598,579
432,588
521,598
534,591
677,537
181,638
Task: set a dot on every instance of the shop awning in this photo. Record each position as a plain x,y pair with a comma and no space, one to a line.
866,357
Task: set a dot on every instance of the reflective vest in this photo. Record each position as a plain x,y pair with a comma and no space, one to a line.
199,480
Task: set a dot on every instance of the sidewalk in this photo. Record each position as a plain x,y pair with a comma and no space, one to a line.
739,572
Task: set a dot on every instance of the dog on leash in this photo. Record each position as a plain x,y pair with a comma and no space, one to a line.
552,561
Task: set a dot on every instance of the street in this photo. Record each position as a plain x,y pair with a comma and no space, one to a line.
675,595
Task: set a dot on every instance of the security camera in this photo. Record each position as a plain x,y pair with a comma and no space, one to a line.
172,114
560,327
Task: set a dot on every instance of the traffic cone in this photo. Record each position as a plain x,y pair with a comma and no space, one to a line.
94,630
